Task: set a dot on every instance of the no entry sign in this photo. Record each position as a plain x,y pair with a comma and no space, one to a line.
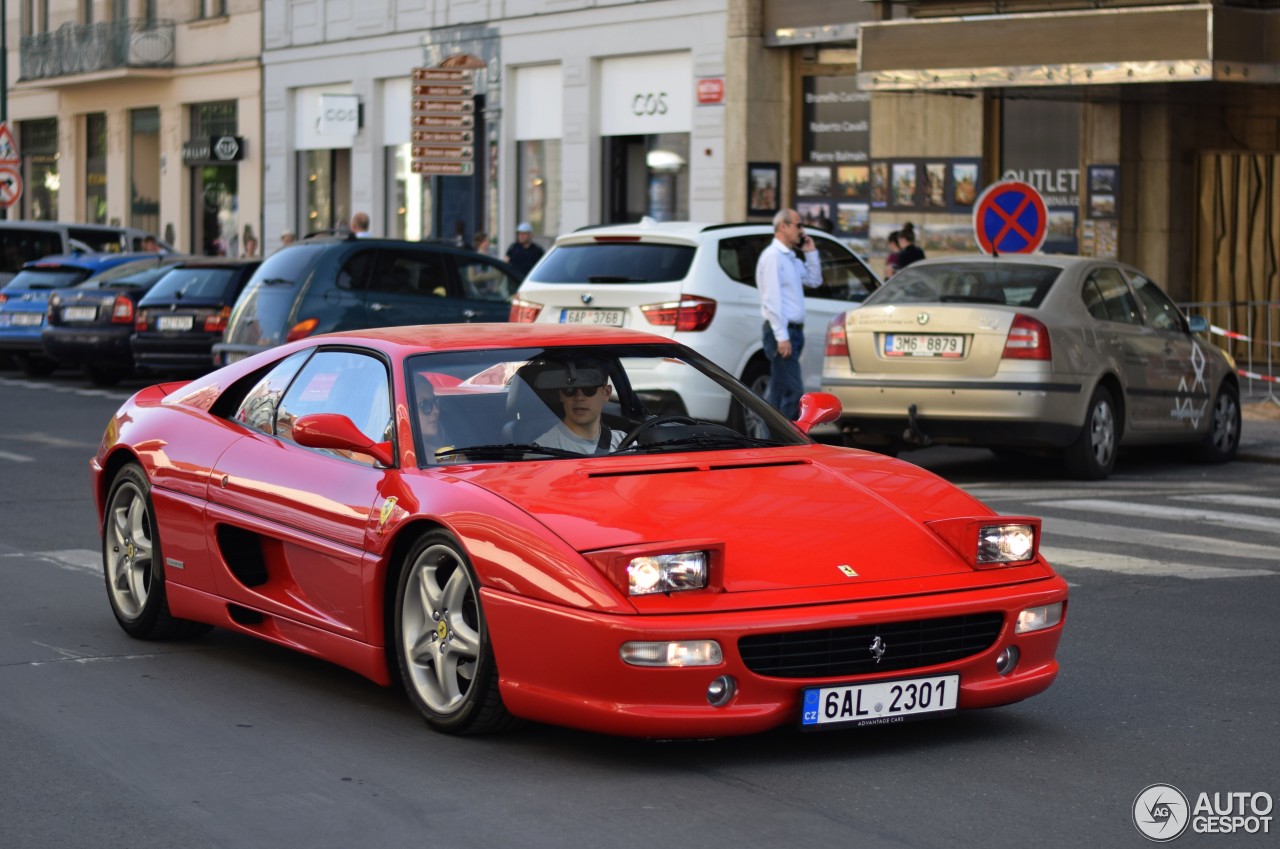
1010,218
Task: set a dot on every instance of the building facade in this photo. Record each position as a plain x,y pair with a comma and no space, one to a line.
141,112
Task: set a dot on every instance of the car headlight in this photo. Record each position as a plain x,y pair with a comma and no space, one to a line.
987,542
1011,543
1039,618
664,573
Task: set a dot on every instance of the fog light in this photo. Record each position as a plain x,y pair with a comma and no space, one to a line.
721,690
1007,660
1038,618
690,653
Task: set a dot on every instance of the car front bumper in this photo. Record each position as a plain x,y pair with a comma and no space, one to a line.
563,666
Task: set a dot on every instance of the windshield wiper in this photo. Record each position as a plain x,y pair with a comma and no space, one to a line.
513,450
276,281
609,278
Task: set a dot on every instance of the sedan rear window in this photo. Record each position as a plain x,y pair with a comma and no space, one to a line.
47,278
615,262
209,284
998,282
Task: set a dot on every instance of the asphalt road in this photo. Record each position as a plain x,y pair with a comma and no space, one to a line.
1169,662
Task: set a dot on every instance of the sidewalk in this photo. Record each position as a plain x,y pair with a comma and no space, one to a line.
1259,431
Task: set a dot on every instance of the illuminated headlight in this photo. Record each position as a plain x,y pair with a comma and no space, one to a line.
689,653
1005,543
664,573
1039,618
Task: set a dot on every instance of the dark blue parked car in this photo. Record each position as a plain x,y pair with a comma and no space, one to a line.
24,301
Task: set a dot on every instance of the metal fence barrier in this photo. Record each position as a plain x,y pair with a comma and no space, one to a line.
1247,330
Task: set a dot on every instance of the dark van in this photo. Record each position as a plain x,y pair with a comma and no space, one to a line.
325,284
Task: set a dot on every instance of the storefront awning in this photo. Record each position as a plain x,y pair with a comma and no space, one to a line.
1090,47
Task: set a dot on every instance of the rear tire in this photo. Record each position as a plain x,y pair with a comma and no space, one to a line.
104,375
755,378
35,365
1093,455
1223,439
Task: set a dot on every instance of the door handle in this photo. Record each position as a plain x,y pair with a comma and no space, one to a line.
468,314
377,307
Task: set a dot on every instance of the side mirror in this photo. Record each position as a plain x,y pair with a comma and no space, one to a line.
817,408
1197,323
335,431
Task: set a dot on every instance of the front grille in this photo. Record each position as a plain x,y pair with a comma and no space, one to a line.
844,652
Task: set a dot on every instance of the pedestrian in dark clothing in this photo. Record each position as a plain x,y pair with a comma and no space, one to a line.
891,261
524,252
910,252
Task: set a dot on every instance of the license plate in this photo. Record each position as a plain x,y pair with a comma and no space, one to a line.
879,703
26,319
79,313
601,318
922,345
174,322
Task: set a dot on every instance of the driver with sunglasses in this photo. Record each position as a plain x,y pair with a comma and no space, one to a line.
583,393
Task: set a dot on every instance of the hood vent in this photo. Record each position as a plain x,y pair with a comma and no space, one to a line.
671,470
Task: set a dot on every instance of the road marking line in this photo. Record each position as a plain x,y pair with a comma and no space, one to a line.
1233,500
1059,528
1153,511
16,458
1127,565
78,559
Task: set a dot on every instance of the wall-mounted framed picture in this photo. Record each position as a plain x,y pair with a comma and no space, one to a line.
763,189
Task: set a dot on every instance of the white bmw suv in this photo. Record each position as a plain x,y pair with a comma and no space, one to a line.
694,283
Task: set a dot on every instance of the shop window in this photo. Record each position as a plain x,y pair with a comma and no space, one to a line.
38,141
144,169
538,192
324,186
408,196
646,176
95,168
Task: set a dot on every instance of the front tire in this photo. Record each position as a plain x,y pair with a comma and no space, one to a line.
1223,439
133,565
442,643
1093,455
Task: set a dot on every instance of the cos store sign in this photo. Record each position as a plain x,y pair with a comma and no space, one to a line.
644,95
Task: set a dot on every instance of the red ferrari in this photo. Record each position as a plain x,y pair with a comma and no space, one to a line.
493,518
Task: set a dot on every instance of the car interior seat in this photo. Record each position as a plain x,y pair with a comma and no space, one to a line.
530,413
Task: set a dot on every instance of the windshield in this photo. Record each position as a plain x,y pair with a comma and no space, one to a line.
521,405
615,262
994,282
54,277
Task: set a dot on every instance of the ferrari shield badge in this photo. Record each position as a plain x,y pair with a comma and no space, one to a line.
388,508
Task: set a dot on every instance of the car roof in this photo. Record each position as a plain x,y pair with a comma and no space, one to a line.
87,261
665,231
461,337
218,261
1050,260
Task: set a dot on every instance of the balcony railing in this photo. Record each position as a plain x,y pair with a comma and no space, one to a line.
85,48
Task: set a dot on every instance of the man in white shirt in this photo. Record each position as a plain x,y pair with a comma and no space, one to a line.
583,394
781,277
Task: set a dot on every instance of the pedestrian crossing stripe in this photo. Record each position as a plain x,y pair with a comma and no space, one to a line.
1126,564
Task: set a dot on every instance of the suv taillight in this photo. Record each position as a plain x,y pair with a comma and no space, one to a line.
687,314
523,312
217,322
302,329
1028,340
122,310
837,340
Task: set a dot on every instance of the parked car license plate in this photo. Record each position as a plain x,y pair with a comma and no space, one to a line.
879,703
922,345
79,313
25,319
602,318
174,322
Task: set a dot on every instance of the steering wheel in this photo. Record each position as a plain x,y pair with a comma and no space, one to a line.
656,421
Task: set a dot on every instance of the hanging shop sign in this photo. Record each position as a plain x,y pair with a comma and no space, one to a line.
213,149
